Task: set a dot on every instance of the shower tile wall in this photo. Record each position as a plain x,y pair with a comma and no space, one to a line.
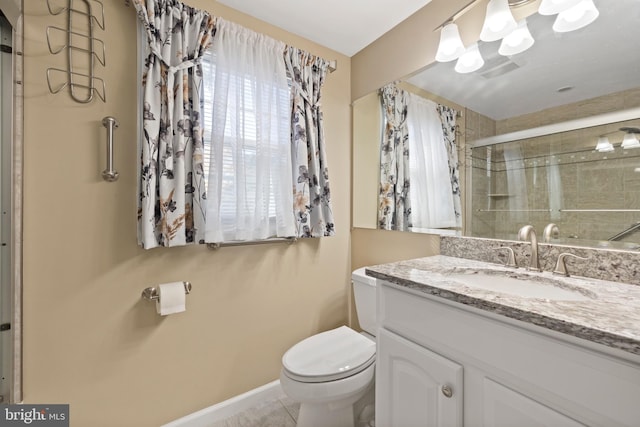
478,126
585,178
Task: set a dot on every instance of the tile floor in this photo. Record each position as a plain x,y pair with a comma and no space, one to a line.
276,412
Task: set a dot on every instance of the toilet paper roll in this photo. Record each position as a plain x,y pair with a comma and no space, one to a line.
172,298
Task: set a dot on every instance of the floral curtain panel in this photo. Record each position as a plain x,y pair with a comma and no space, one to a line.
171,187
448,117
394,205
312,201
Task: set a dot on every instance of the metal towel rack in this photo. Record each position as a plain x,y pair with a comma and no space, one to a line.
82,85
289,240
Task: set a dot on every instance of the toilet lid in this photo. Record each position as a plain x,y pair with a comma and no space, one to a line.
329,356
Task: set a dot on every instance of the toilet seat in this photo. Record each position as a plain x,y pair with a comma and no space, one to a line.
329,356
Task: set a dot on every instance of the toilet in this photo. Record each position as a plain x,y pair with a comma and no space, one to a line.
331,373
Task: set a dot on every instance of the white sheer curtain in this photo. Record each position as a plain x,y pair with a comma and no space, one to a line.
249,193
432,203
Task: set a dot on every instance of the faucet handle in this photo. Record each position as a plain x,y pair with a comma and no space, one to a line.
561,265
511,257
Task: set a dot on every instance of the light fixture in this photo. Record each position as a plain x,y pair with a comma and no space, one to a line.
470,61
604,145
553,7
517,41
580,15
498,21
450,46
630,141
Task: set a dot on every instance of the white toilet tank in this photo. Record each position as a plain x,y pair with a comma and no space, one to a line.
364,290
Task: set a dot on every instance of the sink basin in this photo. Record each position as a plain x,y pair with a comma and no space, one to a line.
520,285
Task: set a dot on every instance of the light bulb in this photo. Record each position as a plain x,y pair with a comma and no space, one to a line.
604,145
498,21
579,16
553,7
450,46
517,41
470,61
630,141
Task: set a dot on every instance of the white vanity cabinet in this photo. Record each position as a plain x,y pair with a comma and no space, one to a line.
417,386
496,372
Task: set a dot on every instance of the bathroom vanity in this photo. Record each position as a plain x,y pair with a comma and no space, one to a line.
469,343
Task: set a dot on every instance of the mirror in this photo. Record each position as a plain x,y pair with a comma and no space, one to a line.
564,76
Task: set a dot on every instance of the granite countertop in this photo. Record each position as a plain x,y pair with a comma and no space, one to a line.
606,312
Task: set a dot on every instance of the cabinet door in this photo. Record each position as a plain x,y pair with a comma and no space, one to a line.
504,407
414,386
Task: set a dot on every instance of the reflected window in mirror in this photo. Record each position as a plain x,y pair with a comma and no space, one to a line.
419,169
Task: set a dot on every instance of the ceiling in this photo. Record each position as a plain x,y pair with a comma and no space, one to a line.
346,26
596,60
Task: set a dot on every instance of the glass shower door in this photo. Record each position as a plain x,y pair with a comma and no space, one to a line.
6,99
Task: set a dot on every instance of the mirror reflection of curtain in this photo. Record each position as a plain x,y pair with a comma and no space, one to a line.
430,189
394,205
448,118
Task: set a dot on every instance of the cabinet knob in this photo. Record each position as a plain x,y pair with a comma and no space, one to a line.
447,391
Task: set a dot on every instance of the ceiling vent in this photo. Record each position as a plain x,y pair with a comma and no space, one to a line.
498,66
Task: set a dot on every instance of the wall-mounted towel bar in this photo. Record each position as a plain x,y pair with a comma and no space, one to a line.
151,294
289,240
513,210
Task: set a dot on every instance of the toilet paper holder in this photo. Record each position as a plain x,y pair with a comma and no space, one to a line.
151,293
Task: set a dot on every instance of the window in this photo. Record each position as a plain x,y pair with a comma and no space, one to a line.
247,144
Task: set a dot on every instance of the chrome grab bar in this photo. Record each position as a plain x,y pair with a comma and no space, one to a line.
110,174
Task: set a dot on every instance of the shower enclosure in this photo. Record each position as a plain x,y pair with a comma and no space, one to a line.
11,96
592,195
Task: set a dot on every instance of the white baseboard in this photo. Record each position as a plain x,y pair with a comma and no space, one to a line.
230,407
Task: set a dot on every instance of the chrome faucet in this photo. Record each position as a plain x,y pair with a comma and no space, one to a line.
550,231
529,233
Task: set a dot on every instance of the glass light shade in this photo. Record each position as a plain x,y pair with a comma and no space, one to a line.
630,141
450,46
604,145
552,7
517,41
580,15
498,21
470,61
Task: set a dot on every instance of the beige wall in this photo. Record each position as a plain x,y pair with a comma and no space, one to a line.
89,340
